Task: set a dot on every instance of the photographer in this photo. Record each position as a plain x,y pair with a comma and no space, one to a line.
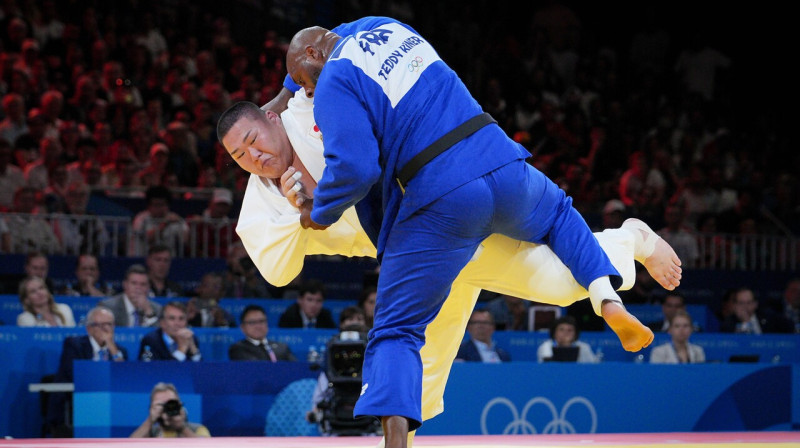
168,417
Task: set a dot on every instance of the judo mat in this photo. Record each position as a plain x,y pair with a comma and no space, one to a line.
643,440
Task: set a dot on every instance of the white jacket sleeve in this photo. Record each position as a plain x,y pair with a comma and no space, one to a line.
269,228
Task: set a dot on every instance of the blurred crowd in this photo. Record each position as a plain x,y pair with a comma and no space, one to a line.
125,95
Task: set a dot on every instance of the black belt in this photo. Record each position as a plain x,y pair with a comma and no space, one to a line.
461,132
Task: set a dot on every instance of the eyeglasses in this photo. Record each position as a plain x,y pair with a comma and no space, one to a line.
105,325
255,322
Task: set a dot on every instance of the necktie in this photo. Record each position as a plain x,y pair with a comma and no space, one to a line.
269,352
102,355
136,319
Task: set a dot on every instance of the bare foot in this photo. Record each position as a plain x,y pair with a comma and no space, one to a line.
633,335
655,254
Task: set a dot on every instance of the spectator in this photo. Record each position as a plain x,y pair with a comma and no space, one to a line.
158,167
97,345
242,279
79,231
480,346
132,307
509,313
789,305
213,231
680,236
28,231
159,261
670,304
167,416
679,350
41,309
87,279
564,333
173,340
613,214
37,173
255,346
157,224
37,265
5,237
14,112
203,310
367,303
748,319
11,176
640,174
308,311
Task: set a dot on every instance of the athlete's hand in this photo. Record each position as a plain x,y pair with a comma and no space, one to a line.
292,188
305,216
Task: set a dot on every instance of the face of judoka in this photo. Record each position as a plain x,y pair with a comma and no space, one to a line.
260,145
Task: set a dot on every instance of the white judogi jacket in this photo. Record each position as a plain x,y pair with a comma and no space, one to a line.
269,225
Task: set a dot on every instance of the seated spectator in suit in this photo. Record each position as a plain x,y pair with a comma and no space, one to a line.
747,318
132,308
174,340
480,346
679,350
159,262
308,311
203,309
564,333
41,309
87,279
509,313
670,304
255,346
97,345
167,416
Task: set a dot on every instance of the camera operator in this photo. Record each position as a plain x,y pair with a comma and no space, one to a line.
334,396
168,417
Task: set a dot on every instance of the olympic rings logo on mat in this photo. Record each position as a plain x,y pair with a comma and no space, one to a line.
416,64
521,425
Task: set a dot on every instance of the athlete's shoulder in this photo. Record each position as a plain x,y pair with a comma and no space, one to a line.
366,24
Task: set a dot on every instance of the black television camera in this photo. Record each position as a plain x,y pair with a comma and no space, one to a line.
344,362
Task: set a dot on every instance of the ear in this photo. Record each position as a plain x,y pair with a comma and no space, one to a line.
311,52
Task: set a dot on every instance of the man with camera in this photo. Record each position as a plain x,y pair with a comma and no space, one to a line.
167,417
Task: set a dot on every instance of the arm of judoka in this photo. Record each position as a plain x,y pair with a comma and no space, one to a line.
276,246
351,152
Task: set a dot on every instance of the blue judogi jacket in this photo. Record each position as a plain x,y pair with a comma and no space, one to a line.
380,100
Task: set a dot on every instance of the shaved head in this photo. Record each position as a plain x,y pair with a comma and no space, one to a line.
235,113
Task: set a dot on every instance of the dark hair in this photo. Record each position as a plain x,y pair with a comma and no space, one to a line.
158,192
569,320
159,247
311,286
673,293
234,114
174,304
250,308
364,294
349,312
135,269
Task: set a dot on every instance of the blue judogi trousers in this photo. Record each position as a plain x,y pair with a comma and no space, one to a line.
425,252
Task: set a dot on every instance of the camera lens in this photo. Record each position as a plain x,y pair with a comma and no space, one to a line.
172,408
